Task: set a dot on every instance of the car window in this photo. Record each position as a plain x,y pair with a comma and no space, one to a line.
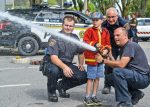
55,17
147,22
140,23
78,18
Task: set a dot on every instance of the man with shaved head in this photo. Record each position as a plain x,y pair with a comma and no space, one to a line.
130,73
112,22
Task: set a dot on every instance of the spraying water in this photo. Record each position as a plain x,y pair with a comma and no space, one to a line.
44,29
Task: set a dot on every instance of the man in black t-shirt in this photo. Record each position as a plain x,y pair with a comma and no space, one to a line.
130,73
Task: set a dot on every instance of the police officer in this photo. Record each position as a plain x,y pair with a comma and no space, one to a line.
133,24
60,55
131,72
112,22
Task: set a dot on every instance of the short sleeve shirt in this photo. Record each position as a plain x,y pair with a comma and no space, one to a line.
64,49
138,60
133,21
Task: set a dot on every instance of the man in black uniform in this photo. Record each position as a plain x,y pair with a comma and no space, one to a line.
60,55
112,22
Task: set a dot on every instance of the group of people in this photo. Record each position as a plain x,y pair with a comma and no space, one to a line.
123,61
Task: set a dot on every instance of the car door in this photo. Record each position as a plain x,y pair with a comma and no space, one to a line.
6,33
143,28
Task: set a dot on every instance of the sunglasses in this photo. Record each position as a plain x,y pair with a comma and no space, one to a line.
111,17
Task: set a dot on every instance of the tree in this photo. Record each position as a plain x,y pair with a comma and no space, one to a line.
102,5
78,5
33,2
148,9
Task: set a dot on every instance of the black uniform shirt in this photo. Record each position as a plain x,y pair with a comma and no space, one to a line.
65,50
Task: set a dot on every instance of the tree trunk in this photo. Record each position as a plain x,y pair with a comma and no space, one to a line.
143,7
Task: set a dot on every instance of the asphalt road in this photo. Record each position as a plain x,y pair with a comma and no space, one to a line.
23,85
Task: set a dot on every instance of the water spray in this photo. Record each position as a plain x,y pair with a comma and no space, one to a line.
44,29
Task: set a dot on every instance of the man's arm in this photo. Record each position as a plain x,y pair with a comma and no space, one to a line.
133,25
66,70
127,26
114,63
81,62
117,63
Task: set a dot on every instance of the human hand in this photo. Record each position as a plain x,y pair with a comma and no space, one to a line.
98,58
105,52
97,45
67,71
81,67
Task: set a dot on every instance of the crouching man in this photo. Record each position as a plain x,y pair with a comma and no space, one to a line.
130,73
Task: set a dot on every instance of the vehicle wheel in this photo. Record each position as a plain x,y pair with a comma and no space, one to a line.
145,39
28,46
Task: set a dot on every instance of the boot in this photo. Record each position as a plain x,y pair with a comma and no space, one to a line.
106,90
52,97
62,92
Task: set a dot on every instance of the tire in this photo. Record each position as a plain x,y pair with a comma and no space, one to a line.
28,46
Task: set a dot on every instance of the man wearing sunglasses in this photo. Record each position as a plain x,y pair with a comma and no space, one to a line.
112,22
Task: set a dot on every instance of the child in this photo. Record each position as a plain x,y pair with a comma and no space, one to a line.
100,38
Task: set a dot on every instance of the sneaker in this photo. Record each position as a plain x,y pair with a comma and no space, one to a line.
137,96
106,90
88,101
96,101
125,104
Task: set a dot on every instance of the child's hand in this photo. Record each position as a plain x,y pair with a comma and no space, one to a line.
105,52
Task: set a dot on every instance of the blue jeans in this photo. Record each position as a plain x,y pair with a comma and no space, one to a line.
126,81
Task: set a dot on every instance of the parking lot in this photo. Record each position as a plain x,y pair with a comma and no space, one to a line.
23,85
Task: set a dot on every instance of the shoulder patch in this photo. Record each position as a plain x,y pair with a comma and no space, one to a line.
52,42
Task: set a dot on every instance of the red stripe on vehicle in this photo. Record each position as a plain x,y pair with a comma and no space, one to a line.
143,32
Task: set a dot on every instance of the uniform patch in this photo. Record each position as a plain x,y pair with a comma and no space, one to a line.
52,42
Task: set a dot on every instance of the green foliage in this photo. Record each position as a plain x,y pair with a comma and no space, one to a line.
148,9
91,7
102,5
52,2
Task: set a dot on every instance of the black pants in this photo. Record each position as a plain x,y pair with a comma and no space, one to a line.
53,73
108,70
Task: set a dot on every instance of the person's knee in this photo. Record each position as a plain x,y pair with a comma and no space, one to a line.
118,72
53,71
81,77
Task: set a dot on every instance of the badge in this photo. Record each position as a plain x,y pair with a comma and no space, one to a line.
52,42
